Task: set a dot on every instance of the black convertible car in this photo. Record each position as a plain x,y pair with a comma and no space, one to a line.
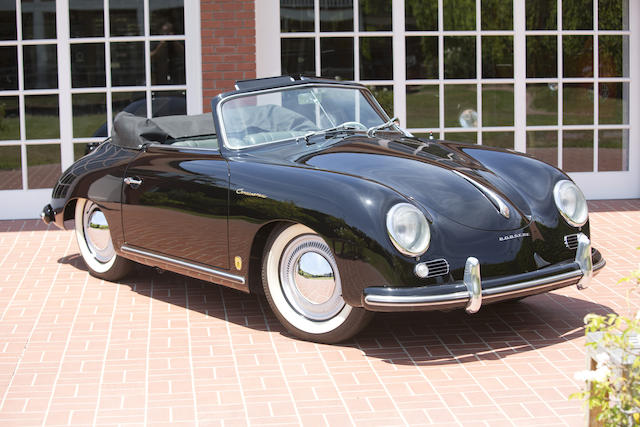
304,189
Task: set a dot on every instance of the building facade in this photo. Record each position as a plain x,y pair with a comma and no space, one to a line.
558,79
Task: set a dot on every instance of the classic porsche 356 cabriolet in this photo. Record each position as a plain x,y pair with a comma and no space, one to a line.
305,190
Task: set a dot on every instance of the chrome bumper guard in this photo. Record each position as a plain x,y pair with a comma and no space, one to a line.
472,297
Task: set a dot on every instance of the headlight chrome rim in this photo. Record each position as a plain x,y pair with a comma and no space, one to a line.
580,216
419,245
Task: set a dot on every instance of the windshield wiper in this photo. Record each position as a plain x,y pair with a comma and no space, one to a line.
343,126
373,129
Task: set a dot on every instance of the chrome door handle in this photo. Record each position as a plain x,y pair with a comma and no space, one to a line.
132,181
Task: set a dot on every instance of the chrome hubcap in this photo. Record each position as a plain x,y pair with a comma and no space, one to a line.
96,233
310,279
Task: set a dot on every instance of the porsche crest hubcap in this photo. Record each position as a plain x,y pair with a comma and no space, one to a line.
310,280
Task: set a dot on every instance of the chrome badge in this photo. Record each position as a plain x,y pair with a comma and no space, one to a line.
513,236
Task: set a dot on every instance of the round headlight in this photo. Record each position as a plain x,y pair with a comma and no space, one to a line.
571,202
408,229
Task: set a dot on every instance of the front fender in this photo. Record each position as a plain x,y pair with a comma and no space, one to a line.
348,212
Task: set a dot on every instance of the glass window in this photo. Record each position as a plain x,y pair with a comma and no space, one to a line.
89,114
42,117
9,118
542,56
542,104
577,14
298,56
38,19
612,59
40,66
460,108
459,15
577,60
543,145
336,57
541,14
613,103
336,15
127,64
126,17
422,57
376,58
497,57
577,150
497,14
167,17
8,29
86,18
384,96
468,137
131,102
497,105
460,57
421,15
613,150
87,65
79,150
498,139
168,103
375,15
9,67
10,167
577,102
43,165
613,15
167,62
423,106
296,16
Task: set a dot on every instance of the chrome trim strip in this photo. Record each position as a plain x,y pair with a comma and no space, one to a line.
473,281
188,265
583,259
495,200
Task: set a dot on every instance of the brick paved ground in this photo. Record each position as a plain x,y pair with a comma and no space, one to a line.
164,349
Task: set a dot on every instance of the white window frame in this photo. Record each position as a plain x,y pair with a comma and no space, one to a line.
27,203
596,185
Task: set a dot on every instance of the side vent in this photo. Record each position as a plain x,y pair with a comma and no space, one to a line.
438,267
571,241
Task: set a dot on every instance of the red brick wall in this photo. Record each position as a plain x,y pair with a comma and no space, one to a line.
228,45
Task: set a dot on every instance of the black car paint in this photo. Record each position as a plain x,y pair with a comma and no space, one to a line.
295,182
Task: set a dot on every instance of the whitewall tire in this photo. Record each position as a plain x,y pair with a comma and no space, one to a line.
302,284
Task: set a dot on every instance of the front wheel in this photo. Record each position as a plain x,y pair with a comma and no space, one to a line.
302,285
95,244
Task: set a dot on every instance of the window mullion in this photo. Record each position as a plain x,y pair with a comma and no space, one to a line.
64,83
519,75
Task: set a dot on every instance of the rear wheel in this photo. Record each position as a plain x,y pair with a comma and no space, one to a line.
302,285
95,244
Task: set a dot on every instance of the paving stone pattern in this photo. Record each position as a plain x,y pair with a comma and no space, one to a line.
162,349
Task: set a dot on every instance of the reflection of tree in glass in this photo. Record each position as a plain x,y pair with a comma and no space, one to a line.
459,15
421,14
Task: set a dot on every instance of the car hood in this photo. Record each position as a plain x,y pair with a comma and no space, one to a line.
439,176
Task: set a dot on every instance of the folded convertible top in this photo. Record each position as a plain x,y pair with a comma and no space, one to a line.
134,131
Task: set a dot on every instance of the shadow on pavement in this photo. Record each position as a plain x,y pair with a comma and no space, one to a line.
415,338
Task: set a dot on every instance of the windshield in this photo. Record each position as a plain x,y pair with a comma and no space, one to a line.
256,119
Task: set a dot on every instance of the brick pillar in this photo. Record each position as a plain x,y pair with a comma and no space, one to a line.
228,45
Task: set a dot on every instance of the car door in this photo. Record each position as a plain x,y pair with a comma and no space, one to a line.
175,202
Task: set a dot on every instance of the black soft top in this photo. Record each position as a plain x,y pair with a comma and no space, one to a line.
134,131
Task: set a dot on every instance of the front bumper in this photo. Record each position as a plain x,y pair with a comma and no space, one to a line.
472,291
